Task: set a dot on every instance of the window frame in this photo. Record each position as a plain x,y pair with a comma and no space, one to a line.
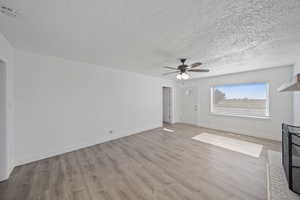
268,114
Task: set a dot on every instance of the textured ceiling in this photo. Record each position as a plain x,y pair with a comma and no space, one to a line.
142,35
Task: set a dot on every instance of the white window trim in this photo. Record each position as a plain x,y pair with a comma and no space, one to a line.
268,116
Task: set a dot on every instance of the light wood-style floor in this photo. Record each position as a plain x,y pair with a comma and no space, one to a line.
150,165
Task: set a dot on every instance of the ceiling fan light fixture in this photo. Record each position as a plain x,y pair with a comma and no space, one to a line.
182,76
185,76
178,76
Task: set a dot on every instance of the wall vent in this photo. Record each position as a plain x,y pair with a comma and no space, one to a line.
8,11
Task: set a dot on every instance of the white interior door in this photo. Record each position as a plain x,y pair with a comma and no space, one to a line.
189,105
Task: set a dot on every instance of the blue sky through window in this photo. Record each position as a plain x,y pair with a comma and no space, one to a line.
249,90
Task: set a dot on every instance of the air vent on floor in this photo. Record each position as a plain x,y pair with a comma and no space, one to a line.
8,11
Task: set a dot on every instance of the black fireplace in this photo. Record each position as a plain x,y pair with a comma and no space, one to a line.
291,155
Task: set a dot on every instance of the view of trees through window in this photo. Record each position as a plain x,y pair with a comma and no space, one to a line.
249,99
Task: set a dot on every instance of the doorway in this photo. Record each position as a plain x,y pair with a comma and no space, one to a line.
167,105
3,136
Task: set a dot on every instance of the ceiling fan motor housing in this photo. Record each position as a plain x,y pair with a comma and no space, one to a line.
182,68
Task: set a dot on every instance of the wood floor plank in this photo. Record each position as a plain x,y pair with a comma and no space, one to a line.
152,165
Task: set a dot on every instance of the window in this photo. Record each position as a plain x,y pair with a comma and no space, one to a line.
247,100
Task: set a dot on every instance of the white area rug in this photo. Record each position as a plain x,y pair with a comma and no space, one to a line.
237,145
277,183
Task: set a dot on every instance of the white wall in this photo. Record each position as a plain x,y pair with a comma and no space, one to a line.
280,103
297,98
7,137
63,105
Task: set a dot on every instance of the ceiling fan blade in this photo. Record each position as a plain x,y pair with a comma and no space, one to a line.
198,70
195,64
173,72
174,68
